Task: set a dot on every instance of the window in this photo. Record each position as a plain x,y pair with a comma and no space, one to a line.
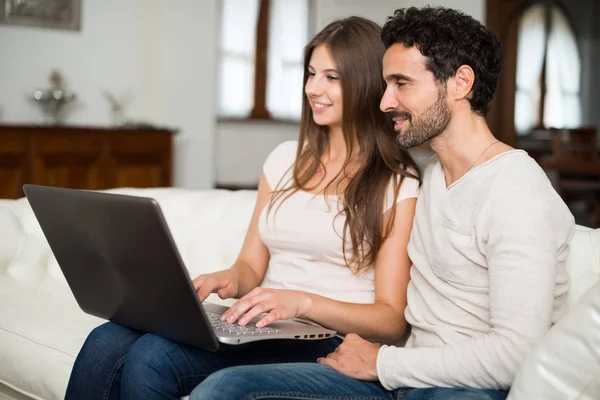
548,70
261,58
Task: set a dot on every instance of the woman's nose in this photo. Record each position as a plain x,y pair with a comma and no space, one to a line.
314,86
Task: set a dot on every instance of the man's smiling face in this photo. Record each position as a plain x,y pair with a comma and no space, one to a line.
415,101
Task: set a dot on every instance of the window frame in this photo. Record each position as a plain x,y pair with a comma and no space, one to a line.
259,112
502,18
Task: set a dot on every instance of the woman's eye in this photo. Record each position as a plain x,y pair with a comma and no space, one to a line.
332,78
310,73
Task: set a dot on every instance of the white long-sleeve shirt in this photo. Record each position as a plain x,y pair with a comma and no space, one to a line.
488,276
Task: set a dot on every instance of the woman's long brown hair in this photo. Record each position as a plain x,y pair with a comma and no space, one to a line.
357,50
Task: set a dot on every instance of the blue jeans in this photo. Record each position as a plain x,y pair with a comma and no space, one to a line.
119,362
315,381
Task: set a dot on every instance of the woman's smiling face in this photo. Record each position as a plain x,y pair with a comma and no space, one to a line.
323,88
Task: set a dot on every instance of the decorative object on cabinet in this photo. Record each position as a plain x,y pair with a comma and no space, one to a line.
54,99
83,157
117,107
57,14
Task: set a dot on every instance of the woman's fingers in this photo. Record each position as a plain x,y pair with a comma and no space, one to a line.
227,292
210,285
268,319
255,311
205,288
198,281
242,306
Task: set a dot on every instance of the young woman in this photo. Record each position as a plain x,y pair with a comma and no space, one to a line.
327,240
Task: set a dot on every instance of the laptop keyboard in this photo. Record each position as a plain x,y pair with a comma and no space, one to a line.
250,329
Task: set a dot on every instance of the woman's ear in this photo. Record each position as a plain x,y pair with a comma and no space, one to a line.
464,79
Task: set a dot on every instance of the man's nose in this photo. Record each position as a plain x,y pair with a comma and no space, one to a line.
388,101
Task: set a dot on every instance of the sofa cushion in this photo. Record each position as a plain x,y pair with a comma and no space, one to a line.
40,335
11,236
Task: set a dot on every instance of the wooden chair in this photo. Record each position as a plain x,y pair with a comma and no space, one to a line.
576,161
575,144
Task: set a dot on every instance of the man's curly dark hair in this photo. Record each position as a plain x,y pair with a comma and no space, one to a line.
449,39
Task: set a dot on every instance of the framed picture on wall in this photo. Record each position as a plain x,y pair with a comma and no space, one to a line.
57,14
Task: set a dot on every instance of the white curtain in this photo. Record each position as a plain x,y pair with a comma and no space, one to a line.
288,34
236,67
562,105
288,23
530,60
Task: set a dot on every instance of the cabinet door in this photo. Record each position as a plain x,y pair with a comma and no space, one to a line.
140,160
72,160
14,171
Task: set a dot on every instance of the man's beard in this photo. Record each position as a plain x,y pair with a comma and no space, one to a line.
430,124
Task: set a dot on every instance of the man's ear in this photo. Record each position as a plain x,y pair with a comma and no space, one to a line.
464,79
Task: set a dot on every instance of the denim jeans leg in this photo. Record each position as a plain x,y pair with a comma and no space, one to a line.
455,393
116,361
96,373
158,368
287,381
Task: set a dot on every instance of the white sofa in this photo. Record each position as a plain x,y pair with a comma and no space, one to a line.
42,328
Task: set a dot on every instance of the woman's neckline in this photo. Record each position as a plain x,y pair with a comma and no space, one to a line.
320,194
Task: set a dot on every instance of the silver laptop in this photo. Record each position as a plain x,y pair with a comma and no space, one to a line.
121,263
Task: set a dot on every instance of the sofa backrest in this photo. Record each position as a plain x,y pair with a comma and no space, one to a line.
583,263
207,226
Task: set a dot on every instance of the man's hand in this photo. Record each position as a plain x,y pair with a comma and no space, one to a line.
355,357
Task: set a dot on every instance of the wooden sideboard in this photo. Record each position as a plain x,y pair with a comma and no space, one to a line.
83,158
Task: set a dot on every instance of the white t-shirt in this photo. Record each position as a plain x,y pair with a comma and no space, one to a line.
304,238
488,278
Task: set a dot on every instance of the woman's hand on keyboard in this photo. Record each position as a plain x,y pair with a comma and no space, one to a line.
278,304
224,283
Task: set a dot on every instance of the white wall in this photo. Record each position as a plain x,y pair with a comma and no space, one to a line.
161,51
242,148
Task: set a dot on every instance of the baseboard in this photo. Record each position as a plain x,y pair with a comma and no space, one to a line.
236,186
